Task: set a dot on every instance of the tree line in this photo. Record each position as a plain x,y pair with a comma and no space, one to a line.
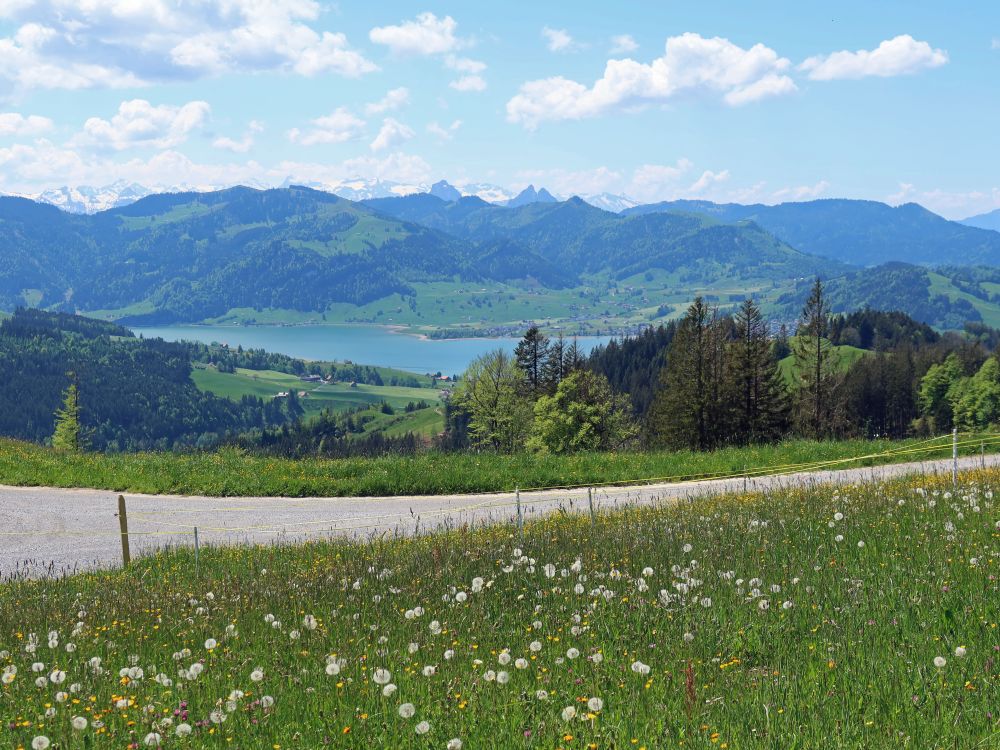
709,380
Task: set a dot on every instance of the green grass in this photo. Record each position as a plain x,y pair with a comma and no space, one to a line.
845,356
231,473
801,619
336,397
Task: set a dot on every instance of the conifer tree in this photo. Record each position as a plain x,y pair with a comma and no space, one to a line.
816,366
760,398
531,355
554,370
68,434
688,410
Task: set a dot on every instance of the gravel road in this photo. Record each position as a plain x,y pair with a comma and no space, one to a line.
47,531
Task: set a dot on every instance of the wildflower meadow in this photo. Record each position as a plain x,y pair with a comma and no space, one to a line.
856,617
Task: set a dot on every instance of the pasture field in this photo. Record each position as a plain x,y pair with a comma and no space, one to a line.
849,617
335,397
228,472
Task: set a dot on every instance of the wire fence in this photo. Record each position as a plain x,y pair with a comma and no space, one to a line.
518,498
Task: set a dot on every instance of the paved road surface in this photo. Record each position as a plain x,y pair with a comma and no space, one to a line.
51,531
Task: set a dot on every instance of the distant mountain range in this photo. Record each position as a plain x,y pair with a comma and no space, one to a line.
989,220
862,233
192,256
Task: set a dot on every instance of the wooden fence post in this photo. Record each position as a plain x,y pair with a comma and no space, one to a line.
123,527
590,502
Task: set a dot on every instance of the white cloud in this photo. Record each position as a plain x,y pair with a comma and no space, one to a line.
469,83
691,63
800,192
427,35
241,146
470,80
139,124
900,55
393,99
14,123
953,204
708,179
337,127
445,134
995,44
392,133
123,43
623,44
652,182
557,40
464,64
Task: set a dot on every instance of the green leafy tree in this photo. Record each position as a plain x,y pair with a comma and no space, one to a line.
492,394
760,399
584,414
816,366
531,354
936,405
688,410
68,435
976,400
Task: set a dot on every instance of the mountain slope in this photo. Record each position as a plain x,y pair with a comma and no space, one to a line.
944,298
989,220
575,235
863,233
189,256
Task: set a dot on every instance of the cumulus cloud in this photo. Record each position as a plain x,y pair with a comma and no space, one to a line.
622,44
557,40
690,64
801,192
139,124
392,133
995,44
469,83
14,123
898,56
471,78
337,127
444,134
426,35
393,99
244,144
111,43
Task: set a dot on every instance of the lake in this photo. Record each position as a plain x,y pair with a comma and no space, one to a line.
370,345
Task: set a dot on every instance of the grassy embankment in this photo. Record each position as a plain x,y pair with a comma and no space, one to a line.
230,473
855,617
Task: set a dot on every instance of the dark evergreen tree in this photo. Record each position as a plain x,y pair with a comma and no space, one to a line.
554,369
816,364
760,409
688,410
531,354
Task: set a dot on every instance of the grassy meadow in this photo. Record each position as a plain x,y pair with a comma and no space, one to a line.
233,473
335,397
848,617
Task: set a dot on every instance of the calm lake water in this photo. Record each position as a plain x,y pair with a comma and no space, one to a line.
370,345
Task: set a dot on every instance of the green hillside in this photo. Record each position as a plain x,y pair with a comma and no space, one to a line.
843,356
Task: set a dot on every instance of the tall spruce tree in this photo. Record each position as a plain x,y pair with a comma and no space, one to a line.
68,434
816,366
688,410
554,369
531,355
760,399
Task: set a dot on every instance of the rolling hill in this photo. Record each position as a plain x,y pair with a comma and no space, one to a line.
860,233
185,257
574,234
945,297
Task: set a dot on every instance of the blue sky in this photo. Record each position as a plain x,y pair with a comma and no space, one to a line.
763,101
